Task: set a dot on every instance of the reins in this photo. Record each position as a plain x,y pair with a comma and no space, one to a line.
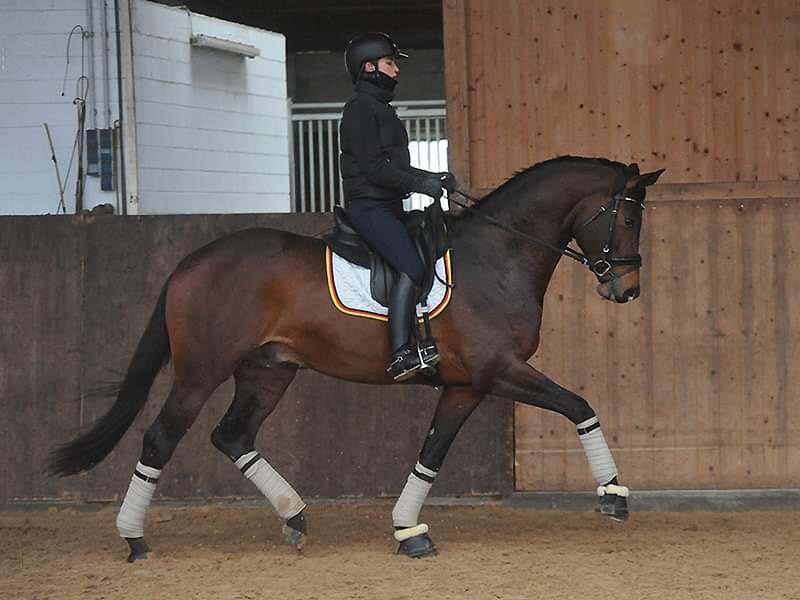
569,252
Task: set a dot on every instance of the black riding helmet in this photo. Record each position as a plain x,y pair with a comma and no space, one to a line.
369,47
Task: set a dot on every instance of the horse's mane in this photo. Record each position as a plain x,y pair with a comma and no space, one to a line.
511,192
540,168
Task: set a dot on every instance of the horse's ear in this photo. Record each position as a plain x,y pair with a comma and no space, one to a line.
632,169
639,182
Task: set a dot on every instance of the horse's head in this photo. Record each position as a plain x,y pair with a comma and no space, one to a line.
607,230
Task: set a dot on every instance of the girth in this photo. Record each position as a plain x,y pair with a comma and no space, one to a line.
428,231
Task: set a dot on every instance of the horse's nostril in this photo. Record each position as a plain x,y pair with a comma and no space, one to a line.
632,294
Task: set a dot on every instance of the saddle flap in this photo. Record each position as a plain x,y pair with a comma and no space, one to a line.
381,280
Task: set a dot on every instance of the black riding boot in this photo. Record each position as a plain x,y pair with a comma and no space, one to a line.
402,302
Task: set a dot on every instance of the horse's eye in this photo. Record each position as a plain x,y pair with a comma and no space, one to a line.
629,222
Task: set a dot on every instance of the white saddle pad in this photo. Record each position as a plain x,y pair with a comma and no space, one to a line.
349,288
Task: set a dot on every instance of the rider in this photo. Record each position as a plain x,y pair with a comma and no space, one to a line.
376,176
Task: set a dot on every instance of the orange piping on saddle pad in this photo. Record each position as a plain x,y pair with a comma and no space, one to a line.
436,311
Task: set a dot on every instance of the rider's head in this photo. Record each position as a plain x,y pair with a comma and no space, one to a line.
373,56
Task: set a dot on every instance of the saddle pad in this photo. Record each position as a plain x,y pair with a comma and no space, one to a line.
349,288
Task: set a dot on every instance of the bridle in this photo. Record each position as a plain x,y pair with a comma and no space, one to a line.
603,265
600,266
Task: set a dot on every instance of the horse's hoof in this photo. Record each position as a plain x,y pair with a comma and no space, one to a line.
294,538
419,546
294,531
139,549
614,502
415,542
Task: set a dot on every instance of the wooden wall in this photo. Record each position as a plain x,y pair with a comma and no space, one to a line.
709,89
698,382
75,296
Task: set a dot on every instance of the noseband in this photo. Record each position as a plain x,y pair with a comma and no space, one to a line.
602,265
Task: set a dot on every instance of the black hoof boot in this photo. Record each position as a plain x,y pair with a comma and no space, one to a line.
139,549
413,544
294,531
614,502
419,546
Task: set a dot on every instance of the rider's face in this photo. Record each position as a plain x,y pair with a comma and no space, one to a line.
387,65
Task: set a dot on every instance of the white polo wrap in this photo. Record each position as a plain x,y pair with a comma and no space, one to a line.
602,464
284,500
130,520
406,510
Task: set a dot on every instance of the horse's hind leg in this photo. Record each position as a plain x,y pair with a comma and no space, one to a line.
523,383
258,390
179,412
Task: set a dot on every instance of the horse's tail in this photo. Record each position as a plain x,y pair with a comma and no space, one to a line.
93,446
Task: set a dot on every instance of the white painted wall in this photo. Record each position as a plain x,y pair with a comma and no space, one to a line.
33,54
212,127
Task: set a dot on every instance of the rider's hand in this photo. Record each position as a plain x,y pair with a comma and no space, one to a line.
431,186
449,181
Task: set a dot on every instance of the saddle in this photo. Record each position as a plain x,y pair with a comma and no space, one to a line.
428,231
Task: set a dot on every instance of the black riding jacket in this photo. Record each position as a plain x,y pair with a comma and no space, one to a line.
375,163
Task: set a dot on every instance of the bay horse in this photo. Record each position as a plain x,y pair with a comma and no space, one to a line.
255,305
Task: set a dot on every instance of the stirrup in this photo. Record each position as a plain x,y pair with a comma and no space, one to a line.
428,356
404,365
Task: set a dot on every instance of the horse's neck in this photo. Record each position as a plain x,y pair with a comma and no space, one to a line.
542,208
495,255
545,212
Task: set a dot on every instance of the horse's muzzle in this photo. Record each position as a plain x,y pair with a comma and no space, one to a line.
620,289
629,294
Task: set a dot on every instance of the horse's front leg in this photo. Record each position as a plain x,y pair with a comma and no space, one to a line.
455,405
521,382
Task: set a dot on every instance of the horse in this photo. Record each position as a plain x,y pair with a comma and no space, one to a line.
254,305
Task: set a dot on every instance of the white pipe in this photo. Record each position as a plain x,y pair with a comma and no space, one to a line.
131,199
292,164
106,75
92,80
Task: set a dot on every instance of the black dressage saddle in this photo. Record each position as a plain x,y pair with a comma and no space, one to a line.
428,231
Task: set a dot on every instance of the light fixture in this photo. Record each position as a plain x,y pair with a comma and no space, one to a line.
209,41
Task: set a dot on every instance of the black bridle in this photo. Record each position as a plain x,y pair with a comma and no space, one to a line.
600,266
603,265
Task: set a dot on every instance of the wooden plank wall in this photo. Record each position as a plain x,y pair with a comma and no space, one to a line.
696,382
75,296
709,89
